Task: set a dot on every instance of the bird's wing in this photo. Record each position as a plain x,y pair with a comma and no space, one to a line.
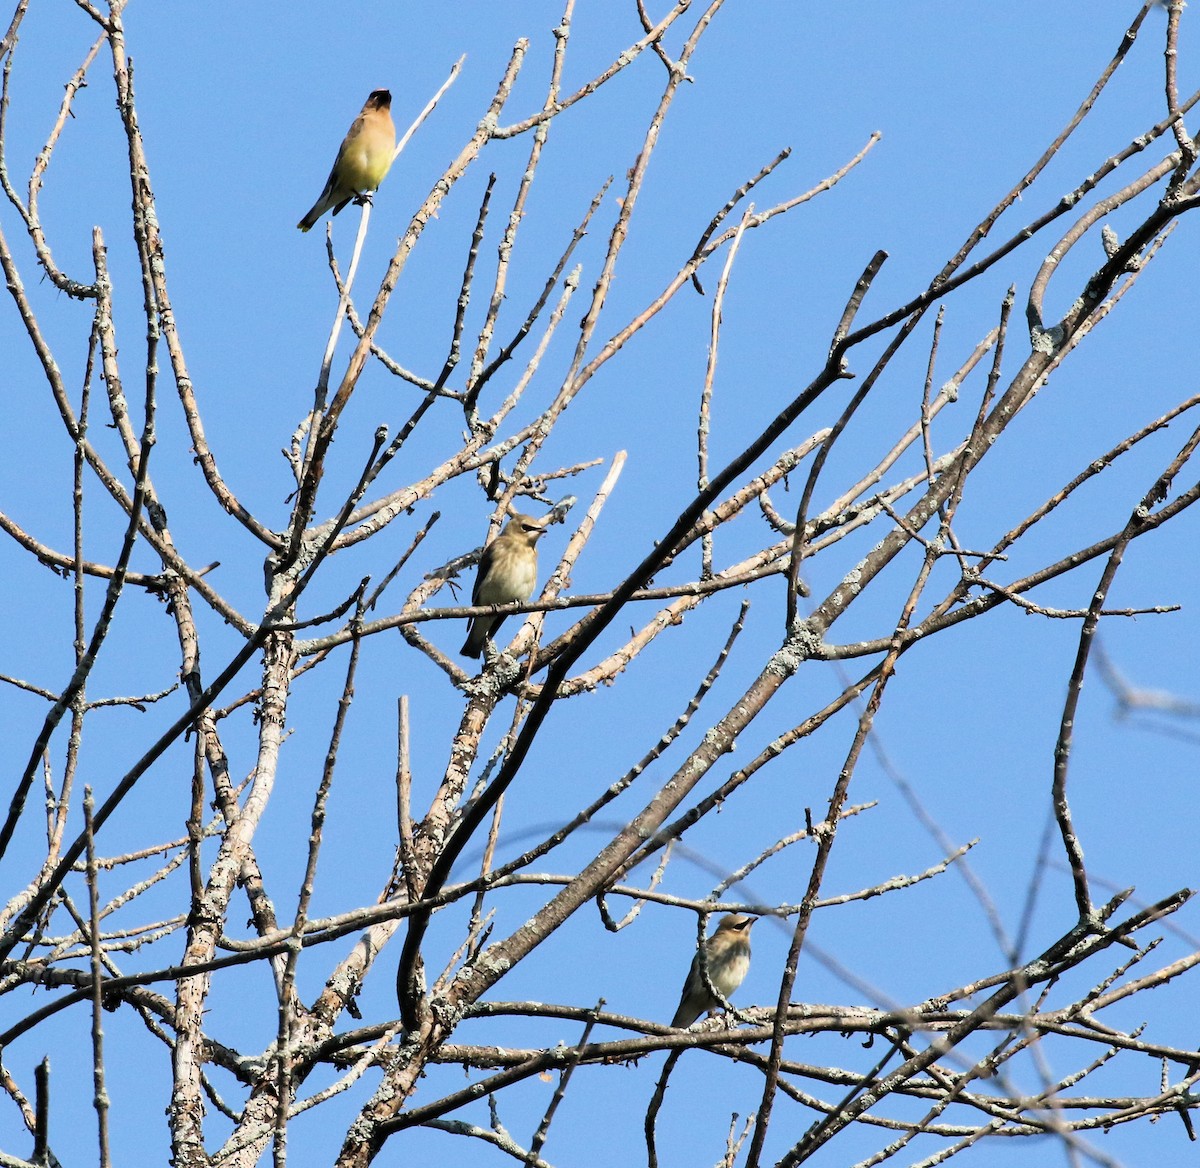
485,566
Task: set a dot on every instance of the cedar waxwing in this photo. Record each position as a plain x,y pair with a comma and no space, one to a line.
507,572
728,951
362,159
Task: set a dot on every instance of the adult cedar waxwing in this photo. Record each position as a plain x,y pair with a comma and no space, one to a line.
507,572
362,159
728,951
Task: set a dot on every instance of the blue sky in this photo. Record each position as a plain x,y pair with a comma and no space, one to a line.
242,108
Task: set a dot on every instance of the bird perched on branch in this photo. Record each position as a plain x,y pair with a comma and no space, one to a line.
363,158
728,960
507,573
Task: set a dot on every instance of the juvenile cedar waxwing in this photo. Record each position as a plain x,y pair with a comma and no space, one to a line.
507,572
362,159
728,951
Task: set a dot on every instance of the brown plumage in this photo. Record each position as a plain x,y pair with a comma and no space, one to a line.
507,573
362,159
728,953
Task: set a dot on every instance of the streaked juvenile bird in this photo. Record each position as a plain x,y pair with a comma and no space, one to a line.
363,158
507,572
728,951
